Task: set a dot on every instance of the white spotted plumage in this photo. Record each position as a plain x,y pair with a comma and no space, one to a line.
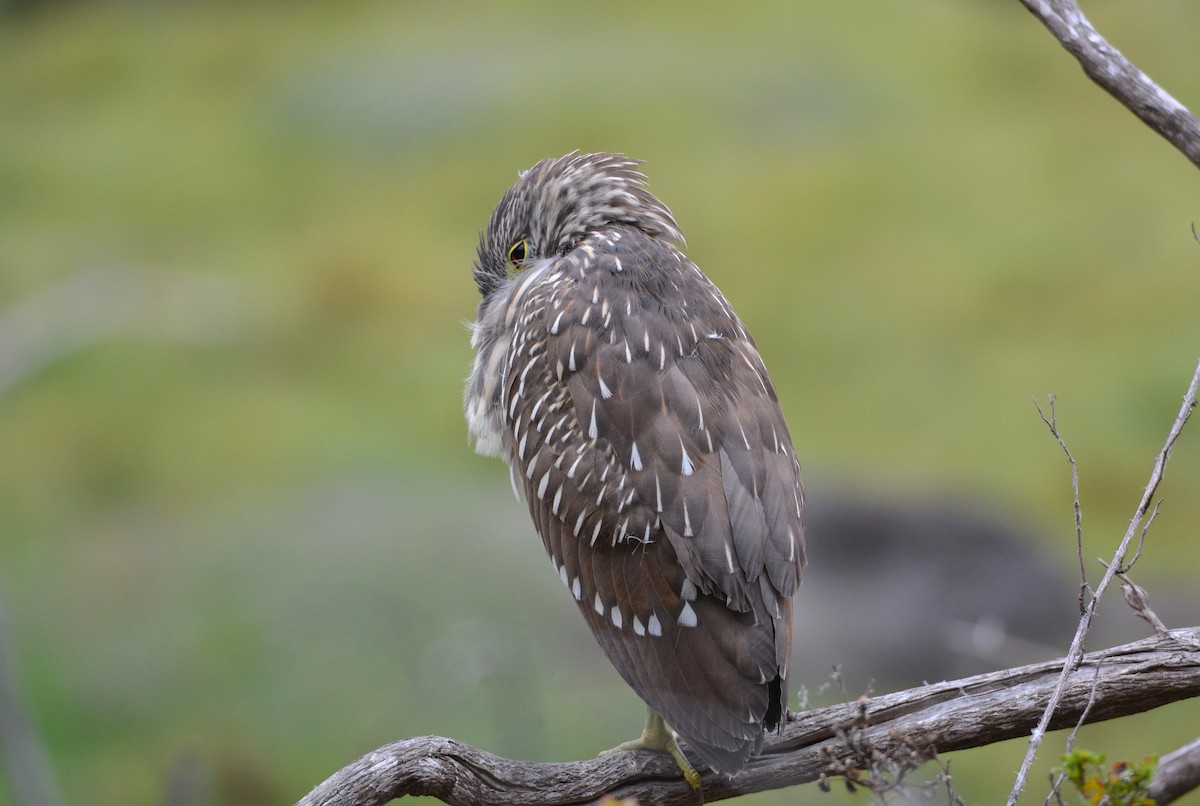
687,616
632,404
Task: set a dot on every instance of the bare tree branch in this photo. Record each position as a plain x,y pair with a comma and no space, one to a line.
1178,773
814,745
1117,564
1117,76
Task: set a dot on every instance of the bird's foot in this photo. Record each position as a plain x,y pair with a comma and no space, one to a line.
657,736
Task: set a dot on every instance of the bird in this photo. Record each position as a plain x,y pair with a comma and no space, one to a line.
640,425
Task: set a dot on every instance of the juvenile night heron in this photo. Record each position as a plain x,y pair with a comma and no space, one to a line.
639,422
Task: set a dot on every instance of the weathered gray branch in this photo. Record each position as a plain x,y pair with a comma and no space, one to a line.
1178,773
825,742
1106,66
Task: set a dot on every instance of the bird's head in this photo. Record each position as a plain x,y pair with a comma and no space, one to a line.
556,203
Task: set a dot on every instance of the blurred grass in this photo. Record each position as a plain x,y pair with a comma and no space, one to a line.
265,556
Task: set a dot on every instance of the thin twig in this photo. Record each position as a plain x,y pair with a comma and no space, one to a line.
1085,621
1137,554
1056,780
1052,424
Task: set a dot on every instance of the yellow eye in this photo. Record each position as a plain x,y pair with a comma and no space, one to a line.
517,253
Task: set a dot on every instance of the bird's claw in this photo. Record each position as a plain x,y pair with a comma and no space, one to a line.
657,736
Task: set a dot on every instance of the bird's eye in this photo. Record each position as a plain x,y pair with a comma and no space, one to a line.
517,253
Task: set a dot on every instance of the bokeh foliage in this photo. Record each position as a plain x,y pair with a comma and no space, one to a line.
253,552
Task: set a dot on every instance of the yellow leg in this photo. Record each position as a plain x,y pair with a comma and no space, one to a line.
657,736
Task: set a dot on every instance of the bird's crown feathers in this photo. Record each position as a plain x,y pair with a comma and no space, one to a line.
557,202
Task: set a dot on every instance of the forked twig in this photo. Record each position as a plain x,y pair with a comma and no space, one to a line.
1118,562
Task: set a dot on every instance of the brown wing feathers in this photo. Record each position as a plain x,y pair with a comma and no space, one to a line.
659,474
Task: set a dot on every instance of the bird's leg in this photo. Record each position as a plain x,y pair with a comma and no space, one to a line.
657,736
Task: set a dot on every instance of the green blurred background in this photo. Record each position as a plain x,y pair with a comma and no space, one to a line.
242,537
